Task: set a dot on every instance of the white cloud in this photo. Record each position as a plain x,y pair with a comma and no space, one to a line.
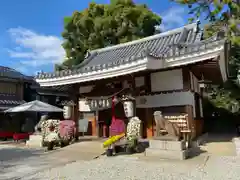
36,49
172,18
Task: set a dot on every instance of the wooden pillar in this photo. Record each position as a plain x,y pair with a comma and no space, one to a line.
150,125
149,111
97,123
75,114
104,130
189,111
93,124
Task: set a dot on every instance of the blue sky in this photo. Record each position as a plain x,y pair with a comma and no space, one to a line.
30,30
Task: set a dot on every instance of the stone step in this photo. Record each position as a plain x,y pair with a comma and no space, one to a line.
167,145
166,154
34,141
33,144
35,137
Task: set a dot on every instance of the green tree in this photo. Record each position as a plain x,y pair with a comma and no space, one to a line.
102,25
226,12
223,15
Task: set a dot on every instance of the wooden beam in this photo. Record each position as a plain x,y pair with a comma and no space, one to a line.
75,98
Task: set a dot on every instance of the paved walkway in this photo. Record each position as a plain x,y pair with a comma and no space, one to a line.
20,161
219,145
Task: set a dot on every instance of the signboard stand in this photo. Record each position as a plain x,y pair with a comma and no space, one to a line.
84,130
83,126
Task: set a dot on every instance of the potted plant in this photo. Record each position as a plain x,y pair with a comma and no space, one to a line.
132,142
50,146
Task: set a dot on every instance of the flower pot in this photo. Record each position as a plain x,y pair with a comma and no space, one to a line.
64,143
109,152
117,149
140,148
129,150
50,146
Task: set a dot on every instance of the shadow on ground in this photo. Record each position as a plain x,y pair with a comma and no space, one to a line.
219,137
16,160
14,153
194,152
89,138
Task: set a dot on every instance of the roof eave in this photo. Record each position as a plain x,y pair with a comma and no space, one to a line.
129,68
173,58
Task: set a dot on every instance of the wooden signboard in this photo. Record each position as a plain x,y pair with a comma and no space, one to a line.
83,125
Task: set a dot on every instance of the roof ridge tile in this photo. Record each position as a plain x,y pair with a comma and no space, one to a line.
148,38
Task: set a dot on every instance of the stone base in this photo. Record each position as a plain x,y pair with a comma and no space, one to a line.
167,145
167,149
35,140
166,138
166,154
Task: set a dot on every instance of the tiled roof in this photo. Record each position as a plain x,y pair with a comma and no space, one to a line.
64,88
11,102
67,103
8,99
11,73
156,45
5,103
176,42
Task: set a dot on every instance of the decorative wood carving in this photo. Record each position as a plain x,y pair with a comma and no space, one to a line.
170,128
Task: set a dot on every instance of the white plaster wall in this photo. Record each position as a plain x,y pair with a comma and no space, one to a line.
167,80
164,100
159,100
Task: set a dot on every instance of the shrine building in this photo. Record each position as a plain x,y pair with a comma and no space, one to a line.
162,72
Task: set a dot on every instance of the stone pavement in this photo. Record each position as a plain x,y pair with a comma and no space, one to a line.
17,162
219,145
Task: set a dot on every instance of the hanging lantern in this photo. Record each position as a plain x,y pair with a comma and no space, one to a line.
129,106
104,103
100,103
108,103
67,112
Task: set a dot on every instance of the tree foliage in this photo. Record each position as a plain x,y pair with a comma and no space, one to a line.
225,12
223,15
102,25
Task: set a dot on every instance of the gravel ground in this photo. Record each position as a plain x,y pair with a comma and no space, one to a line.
131,168
32,164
